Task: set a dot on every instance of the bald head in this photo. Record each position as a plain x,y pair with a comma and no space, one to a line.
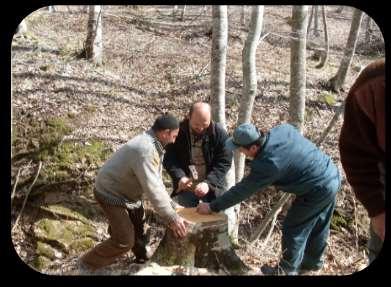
200,117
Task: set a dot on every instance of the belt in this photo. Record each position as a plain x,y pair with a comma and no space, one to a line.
117,200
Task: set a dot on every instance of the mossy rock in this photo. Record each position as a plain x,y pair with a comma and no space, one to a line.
65,212
63,233
41,262
81,245
44,249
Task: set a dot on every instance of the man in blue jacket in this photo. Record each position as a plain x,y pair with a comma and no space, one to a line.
284,158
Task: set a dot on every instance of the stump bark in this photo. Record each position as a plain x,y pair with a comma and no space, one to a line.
206,245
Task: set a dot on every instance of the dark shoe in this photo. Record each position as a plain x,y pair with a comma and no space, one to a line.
141,253
275,271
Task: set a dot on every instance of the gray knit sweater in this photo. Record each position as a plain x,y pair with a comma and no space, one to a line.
133,173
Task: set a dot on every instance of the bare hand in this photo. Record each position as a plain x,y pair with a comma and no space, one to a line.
178,226
378,225
203,208
201,189
184,183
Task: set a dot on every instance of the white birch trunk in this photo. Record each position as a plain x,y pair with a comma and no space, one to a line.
325,56
249,79
316,21
338,80
368,29
298,67
22,27
218,62
94,45
183,12
242,16
174,10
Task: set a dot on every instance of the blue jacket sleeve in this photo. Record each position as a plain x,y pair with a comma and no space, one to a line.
261,175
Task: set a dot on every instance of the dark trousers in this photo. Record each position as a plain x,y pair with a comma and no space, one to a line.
306,229
120,242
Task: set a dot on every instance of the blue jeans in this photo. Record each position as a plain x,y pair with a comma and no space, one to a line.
306,228
189,199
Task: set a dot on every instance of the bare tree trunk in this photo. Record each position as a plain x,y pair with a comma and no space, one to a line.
338,80
249,79
217,84
94,45
51,9
218,62
242,16
340,9
310,20
368,29
325,55
316,21
183,12
298,67
174,10
22,27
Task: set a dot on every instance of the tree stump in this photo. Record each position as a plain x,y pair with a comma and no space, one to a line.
206,245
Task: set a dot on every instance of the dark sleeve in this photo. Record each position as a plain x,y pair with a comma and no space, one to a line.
361,155
221,162
171,163
264,175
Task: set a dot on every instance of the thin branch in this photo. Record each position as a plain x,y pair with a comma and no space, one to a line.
273,213
16,182
270,231
27,194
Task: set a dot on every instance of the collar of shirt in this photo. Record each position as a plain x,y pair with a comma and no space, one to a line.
156,142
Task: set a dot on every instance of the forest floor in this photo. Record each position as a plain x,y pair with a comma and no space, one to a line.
154,63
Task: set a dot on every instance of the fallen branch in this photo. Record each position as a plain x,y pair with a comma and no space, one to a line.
334,258
272,214
270,231
14,189
27,195
335,118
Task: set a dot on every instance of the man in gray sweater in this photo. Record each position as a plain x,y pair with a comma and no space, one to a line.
133,172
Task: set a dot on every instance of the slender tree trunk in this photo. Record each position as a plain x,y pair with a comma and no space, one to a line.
316,21
94,46
325,56
22,27
174,10
310,20
298,66
242,16
368,29
183,12
249,79
218,62
340,9
338,80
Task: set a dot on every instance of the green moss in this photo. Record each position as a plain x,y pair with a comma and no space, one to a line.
81,245
41,262
338,221
63,232
46,250
63,211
